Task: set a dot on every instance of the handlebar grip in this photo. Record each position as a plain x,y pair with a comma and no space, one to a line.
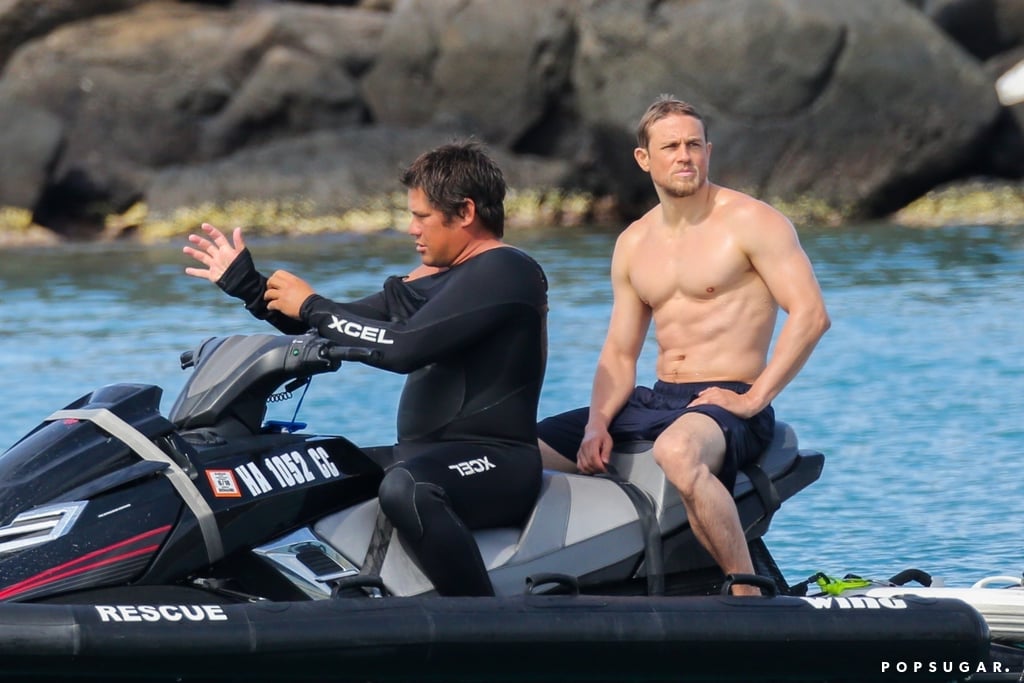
350,353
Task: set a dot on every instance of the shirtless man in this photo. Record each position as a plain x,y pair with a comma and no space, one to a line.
712,267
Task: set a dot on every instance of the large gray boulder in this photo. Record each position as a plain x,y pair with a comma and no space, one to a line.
492,68
128,89
168,83
30,139
24,20
153,78
287,92
327,173
805,98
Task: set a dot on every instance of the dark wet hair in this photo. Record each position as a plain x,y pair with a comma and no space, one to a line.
665,105
455,172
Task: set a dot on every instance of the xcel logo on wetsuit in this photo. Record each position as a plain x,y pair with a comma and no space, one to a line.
474,466
354,329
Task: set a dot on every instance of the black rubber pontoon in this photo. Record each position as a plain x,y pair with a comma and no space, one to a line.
527,638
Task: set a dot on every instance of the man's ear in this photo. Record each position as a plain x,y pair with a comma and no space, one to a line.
642,159
467,214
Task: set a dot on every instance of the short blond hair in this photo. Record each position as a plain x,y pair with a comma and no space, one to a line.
665,105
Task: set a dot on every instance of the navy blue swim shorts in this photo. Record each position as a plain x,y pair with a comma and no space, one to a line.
648,412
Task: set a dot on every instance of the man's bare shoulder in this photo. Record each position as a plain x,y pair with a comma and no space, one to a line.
733,203
760,230
636,231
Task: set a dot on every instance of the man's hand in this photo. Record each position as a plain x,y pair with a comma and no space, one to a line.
286,293
740,405
213,251
595,450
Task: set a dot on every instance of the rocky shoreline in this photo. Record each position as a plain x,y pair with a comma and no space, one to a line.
524,210
137,119
973,202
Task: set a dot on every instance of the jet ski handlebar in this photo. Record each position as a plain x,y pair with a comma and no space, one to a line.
234,376
297,356
335,353
311,354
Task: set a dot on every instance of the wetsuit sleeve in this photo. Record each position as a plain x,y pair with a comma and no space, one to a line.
242,281
477,297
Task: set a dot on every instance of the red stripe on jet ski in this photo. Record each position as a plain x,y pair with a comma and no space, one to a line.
76,566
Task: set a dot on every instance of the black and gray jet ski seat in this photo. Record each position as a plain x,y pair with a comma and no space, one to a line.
580,524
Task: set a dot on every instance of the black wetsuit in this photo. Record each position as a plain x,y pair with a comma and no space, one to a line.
473,340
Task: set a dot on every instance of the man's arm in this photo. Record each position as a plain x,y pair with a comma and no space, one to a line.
228,264
615,376
484,294
774,250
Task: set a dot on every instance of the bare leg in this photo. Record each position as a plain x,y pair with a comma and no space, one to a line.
553,460
690,452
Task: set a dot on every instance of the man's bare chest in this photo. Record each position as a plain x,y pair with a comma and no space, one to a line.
700,271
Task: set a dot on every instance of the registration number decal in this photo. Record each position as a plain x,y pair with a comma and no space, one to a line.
279,471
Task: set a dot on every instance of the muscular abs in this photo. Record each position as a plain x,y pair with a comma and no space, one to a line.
713,315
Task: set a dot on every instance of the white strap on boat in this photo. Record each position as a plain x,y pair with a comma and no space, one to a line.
147,450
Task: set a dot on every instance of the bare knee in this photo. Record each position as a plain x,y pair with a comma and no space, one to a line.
680,458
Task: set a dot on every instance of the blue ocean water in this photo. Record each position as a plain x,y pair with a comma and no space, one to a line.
914,395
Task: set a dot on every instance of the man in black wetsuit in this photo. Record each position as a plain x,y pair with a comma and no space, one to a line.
468,326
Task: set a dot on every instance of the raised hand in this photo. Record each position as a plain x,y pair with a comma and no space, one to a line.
214,251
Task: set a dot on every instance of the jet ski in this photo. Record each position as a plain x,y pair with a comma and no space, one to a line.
213,544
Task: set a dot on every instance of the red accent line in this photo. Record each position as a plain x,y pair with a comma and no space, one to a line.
39,580
69,569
